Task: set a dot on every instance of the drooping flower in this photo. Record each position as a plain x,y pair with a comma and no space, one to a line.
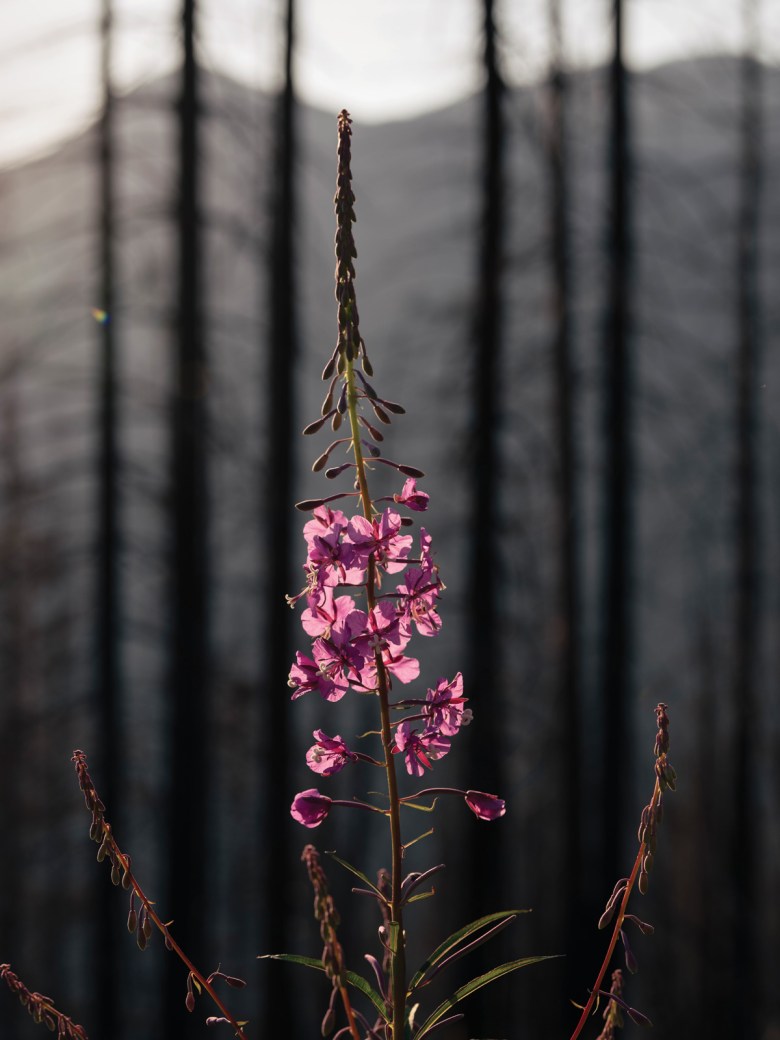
485,806
444,708
329,755
419,749
411,497
310,807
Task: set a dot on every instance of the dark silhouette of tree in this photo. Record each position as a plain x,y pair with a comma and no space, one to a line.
190,644
746,618
14,648
616,593
483,674
279,406
568,697
107,663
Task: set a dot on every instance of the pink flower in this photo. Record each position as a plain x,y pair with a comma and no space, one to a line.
329,755
379,537
307,675
405,669
310,807
419,749
323,518
445,706
330,673
332,618
420,592
411,497
333,560
485,806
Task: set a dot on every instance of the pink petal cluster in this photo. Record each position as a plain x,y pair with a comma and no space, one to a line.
348,643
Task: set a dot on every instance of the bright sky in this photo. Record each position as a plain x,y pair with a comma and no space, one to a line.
382,59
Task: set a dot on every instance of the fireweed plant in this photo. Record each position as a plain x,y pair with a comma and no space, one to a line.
369,588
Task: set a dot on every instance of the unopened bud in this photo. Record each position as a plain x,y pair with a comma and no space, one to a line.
132,920
189,1001
317,425
631,962
638,1017
643,926
328,1022
116,874
643,881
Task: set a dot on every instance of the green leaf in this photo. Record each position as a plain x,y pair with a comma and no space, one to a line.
352,977
357,873
473,986
368,990
420,808
455,939
421,895
419,837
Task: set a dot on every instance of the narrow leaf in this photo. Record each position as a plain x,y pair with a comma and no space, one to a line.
356,872
419,837
352,977
473,986
452,941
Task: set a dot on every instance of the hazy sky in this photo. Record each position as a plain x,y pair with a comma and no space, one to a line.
382,59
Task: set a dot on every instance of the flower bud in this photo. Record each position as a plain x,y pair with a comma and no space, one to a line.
132,920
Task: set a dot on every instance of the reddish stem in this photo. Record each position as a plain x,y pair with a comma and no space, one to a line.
594,993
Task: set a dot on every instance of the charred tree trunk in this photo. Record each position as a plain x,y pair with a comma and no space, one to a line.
16,648
746,622
616,610
279,407
483,675
190,666
569,629
107,677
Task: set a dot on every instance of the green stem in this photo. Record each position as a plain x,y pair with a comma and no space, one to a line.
398,960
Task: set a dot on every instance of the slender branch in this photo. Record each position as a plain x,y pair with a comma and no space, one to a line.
101,832
620,917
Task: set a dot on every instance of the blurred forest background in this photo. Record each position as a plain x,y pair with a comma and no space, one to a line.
569,279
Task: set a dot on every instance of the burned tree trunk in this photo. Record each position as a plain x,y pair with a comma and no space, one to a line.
190,665
616,595
107,660
746,619
277,550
